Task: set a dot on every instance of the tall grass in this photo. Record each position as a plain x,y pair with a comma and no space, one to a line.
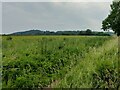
99,69
41,61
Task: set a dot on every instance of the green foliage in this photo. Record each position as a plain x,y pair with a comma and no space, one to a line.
106,75
98,69
9,38
113,19
37,61
88,32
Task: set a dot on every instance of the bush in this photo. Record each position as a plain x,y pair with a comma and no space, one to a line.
9,38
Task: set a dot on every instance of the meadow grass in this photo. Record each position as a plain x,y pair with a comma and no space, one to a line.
57,61
99,69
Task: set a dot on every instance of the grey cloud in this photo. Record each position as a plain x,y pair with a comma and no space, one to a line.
53,15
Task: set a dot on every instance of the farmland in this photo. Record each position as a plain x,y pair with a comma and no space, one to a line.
59,61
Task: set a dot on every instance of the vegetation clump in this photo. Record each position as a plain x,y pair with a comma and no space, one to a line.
9,38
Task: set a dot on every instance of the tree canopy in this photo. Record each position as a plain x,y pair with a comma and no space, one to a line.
113,19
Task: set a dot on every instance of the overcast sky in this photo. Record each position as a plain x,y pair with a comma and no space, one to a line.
22,16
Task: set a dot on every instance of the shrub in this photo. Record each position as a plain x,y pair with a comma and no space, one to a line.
9,38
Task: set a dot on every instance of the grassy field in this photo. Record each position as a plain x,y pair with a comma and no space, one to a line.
59,61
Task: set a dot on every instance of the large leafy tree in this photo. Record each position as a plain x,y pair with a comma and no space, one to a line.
113,19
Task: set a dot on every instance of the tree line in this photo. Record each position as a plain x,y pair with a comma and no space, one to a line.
39,32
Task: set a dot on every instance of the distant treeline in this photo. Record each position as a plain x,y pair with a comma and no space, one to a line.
39,32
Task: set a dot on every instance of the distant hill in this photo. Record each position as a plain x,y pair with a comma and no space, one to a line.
30,32
39,32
